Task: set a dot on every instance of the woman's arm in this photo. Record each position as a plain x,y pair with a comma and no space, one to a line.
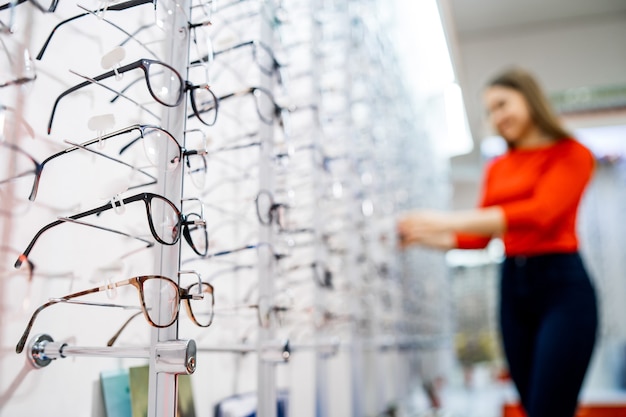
438,229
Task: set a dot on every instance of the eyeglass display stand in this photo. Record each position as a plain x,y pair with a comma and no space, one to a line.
266,371
322,356
357,351
162,387
172,357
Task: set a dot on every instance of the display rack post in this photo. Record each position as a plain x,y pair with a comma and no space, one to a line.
162,395
266,371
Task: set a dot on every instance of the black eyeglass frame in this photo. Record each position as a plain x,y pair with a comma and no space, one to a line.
255,44
182,222
144,64
115,7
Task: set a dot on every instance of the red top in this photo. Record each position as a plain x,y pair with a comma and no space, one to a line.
539,191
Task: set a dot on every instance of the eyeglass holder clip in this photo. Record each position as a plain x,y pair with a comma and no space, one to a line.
172,356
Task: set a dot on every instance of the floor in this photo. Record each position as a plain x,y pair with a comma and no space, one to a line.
485,396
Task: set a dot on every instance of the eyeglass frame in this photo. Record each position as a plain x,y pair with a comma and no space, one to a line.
117,334
12,4
39,166
146,198
114,7
144,65
137,283
255,44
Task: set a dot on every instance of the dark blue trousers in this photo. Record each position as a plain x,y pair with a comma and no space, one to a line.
548,319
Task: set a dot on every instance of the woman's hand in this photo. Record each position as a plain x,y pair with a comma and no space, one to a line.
428,228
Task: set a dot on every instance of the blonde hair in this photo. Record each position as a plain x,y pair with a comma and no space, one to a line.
541,111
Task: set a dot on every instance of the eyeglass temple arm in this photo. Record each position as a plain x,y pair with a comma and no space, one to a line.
117,93
222,51
229,251
33,193
148,243
129,36
117,334
137,139
123,90
99,139
135,169
20,345
11,3
115,7
45,45
24,256
100,77
18,81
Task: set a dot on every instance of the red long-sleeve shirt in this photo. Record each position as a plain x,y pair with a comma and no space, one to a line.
539,191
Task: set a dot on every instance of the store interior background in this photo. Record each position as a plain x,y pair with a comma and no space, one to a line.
574,47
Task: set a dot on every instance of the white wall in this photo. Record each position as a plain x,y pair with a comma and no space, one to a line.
565,55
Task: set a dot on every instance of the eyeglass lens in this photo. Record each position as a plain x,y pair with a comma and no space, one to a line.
158,153
197,233
164,83
201,307
196,168
165,220
205,105
264,207
161,301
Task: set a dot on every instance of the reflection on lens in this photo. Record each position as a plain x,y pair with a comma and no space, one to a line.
198,234
202,307
197,168
202,45
165,84
161,300
323,276
161,148
165,220
263,58
264,309
265,106
264,204
205,104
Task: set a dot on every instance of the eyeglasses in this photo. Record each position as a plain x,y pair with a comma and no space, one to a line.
201,313
160,147
164,219
25,166
267,210
164,84
159,299
267,311
47,7
22,71
115,7
170,153
261,53
266,107
322,275
28,267
43,7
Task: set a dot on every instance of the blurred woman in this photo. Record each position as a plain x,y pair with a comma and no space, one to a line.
530,198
